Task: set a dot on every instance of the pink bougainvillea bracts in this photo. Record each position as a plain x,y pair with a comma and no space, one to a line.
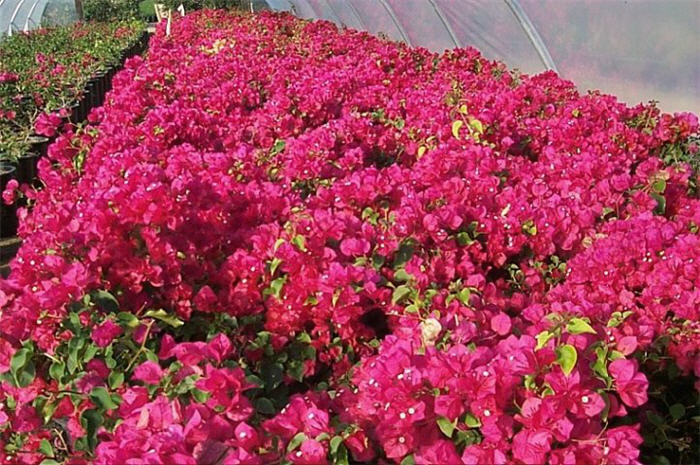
280,242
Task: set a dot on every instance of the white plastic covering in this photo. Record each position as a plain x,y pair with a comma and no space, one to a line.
639,50
24,15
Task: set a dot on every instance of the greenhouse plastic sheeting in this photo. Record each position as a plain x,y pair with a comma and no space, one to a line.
23,15
639,50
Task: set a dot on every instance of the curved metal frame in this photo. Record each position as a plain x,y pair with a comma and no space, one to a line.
532,34
445,23
308,3
357,15
514,6
396,21
29,15
14,15
337,19
335,13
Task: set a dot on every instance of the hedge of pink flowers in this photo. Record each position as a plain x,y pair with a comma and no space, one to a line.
283,243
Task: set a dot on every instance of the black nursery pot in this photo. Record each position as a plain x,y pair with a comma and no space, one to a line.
39,144
92,93
27,168
85,105
8,213
107,79
76,114
100,86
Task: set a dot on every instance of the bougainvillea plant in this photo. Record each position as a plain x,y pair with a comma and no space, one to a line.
45,70
283,243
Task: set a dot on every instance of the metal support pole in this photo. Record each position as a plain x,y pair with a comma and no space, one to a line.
29,16
532,34
335,15
389,10
14,15
445,23
357,15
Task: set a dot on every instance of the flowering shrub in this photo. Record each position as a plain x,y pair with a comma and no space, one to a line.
45,70
279,242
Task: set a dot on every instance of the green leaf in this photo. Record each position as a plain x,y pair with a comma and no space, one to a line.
296,369
91,420
254,380
341,457
463,238
115,379
446,426
467,438
412,308
677,411
46,448
128,319
542,339
476,125
264,406
600,366
278,147
529,228
659,460
660,203
400,293
402,276
26,376
472,421
106,300
300,242
100,396
659,186
272,375
274,264
408,460
403,254
19,360
57,370
566,358
165,317
49,462
72,362
275,287
464,295
579,326
655,419
90,352
296,441
199,395
456,126
335,442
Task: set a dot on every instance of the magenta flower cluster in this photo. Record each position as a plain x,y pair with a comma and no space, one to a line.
279,242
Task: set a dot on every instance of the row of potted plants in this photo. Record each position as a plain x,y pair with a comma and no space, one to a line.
48,78
284,243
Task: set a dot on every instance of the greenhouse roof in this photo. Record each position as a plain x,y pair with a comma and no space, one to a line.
638,50
24,15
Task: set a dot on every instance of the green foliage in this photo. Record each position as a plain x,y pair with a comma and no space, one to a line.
671,421
75,53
